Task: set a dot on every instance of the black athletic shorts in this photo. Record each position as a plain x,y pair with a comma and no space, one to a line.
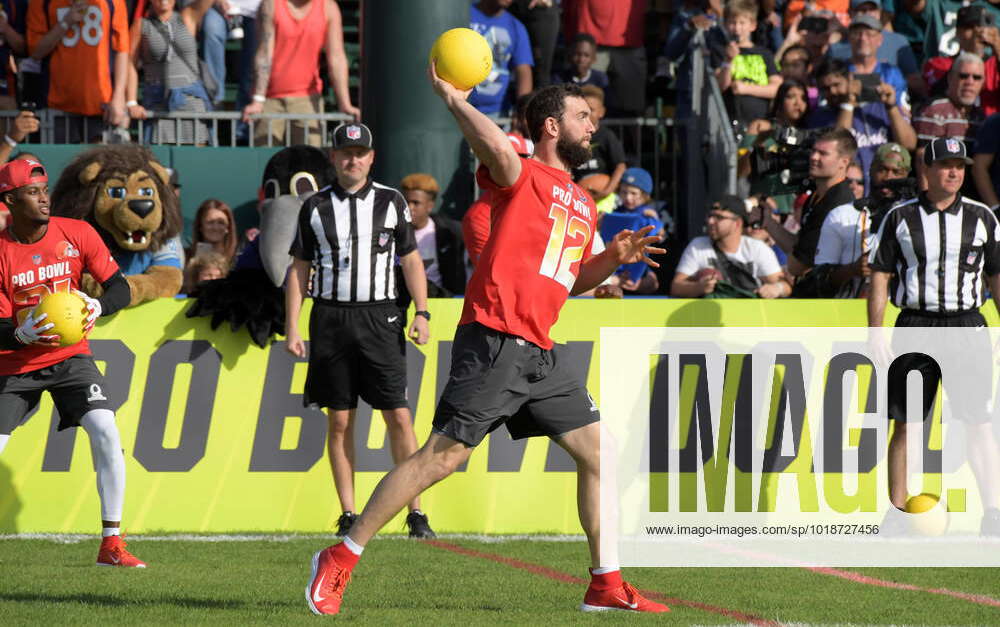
356,350
76,386
498,379
973,404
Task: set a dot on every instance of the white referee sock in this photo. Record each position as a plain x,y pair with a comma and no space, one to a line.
3,441
109,461
353,546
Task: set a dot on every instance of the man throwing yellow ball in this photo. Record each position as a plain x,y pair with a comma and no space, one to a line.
40,255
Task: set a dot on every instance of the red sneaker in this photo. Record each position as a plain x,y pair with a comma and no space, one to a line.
622,598
114,553
331,570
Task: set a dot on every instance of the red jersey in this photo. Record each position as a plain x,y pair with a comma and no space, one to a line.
476,227
54,263
297,46
542,230
618,23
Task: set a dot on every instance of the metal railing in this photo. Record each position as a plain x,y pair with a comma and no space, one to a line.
222,128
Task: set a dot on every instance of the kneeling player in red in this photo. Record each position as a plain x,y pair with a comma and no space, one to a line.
40,255
505,369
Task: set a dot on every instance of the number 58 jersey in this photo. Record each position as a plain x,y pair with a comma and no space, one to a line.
543,229
52,264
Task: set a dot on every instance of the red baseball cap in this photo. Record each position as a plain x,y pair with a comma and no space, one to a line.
18,173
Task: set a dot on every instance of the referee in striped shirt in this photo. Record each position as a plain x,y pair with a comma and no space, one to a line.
349,236
932,253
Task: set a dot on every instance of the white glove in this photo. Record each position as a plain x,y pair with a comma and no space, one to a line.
30,333
93,310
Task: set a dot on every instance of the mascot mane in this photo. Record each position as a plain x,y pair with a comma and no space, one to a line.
75,198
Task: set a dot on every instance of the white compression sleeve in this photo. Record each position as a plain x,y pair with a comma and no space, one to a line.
109,461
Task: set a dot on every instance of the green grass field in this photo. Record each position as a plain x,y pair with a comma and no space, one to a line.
457,581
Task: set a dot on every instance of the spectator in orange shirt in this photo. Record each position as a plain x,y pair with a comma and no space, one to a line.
78,37
291,35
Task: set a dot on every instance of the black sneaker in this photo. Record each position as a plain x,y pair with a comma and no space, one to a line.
345,522
419,527
991,523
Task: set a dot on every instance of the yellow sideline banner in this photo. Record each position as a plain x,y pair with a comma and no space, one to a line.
217,440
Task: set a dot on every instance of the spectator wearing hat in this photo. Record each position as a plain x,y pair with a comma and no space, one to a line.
607,153
744,265
849,230
933,255
894,49
349,237
957,114
976,34
635,212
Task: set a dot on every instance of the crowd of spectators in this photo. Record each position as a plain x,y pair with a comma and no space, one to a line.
829,99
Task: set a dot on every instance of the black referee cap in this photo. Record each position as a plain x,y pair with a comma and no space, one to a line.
352,134
945,148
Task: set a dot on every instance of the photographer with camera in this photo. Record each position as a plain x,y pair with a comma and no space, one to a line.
831,154
788,111
847,233
872,112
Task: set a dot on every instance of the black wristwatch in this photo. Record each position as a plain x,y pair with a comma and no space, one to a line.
425,314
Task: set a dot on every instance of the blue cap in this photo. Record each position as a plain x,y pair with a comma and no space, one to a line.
638,178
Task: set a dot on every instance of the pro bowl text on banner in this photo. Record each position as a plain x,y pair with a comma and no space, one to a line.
217,440
729,446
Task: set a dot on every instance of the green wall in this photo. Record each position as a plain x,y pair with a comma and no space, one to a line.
229,174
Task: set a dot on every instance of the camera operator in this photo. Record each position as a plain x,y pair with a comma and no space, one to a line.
848,232
832,152
789,110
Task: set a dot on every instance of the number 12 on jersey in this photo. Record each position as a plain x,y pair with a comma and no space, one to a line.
558,262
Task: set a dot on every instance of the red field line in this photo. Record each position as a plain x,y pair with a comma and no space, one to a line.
854,577
885,583
560,576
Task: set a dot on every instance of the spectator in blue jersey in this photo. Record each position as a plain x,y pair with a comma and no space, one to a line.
580,71
894,49
512,57
872,123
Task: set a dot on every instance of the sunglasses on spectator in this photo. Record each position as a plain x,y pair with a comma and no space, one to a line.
719,217
966,76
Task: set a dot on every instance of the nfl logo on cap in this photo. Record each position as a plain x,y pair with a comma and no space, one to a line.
353,132
951,145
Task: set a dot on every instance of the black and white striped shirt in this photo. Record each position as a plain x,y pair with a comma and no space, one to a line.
938,257
352,241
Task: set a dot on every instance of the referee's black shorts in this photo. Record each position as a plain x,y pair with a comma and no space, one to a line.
973,403
356,349
76,386
499,379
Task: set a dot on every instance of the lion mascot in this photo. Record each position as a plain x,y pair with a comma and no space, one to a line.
124,192
290,176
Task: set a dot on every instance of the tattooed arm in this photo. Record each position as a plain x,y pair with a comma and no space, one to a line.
262,58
